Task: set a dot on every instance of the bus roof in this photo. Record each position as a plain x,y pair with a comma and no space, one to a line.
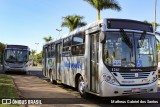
77,30
16,46
110,23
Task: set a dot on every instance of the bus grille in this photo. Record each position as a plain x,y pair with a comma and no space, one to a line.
137,75
17,67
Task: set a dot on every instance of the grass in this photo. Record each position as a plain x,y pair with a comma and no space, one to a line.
7,89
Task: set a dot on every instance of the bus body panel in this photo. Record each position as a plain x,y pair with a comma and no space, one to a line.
97,76
70,67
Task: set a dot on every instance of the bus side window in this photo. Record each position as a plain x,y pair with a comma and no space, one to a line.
49,50
78,41
46,51
66,47
52,50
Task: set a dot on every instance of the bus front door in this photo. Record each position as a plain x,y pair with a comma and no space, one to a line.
45,61
94,49
58,61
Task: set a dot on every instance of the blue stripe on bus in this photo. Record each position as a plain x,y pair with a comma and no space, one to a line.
73,65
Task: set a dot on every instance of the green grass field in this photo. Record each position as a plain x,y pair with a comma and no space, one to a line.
7,89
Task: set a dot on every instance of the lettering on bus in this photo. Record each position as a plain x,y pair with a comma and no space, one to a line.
73,65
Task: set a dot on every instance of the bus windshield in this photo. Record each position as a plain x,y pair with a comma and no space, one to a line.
129,50
15,55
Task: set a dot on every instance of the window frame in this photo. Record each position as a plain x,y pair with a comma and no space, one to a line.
66,48
81,45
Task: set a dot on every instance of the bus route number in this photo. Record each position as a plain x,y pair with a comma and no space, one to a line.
115,69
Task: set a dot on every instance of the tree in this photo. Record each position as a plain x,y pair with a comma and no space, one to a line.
1,48
72,22
47,39
33,52
33,57
1,51
39,57
104,4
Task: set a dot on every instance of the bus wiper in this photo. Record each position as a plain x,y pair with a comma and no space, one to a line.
126,38
141,39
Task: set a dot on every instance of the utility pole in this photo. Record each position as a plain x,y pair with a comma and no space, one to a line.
59,30
36,51
155,11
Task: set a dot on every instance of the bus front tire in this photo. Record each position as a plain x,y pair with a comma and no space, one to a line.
81,87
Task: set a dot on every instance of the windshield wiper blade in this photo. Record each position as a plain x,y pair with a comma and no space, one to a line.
126,38
141,39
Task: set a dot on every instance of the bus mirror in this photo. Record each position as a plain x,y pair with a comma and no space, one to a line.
29,52
102,37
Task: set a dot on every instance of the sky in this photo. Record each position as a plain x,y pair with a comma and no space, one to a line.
27,22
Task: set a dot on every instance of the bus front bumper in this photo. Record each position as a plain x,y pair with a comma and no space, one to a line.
15,69
109,90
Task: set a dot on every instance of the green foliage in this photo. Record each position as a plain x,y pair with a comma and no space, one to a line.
32,54
152,23
1,51
36,58
158,47
1,48
104,4
47,39
72,22
7,89
39,57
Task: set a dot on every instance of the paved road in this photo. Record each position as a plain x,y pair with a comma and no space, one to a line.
34,85
31,86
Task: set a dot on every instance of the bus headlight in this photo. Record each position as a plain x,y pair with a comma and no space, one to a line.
6,64
113,80
26,65
109,79
154,79
154,76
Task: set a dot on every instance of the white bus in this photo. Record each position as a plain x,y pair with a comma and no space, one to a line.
110,57
15,58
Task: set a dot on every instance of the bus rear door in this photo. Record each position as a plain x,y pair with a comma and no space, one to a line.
58,61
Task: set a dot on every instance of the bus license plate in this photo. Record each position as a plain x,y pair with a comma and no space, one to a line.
136,90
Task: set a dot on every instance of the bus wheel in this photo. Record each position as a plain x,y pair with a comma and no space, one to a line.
51,77
81,87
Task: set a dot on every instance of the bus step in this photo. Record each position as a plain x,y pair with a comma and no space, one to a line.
93,93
